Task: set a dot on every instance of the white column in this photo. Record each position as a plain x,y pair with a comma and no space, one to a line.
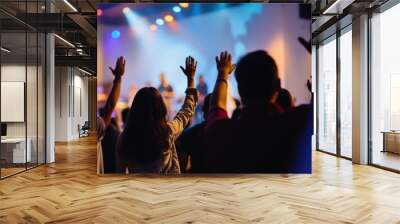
360,90
50,99
50,92
313,90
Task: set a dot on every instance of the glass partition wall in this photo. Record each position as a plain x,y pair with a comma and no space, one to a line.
334,94
385,89
22,77
326,98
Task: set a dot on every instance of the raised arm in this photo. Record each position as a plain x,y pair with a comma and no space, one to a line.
189,71
225,68
112,99
186,112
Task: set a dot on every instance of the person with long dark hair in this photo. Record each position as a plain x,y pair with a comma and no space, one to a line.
147,144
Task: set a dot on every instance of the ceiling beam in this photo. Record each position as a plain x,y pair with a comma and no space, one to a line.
78,61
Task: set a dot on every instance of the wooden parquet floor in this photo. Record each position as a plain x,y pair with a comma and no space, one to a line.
69,191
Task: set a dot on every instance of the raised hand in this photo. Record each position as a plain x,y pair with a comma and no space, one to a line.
115,92
190,67
119,69
224,64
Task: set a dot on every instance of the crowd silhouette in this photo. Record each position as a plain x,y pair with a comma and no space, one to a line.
266,133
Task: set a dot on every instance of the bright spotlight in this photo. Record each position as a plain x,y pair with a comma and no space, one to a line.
184,4
99,12
160,22
168,18
176,9
115,34
126,10
153,27
137,24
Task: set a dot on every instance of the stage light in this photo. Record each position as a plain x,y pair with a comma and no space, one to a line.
153,27
168,18
115,34
137,24
160,22
184,4
176,9
126,10
99,12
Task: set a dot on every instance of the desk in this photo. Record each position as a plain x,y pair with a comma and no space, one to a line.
391,141
13,150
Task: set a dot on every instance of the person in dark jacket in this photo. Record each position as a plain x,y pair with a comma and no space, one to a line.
190,145
263,139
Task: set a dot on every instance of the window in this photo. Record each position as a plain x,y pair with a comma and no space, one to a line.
326,98
346,93
335,137
385,89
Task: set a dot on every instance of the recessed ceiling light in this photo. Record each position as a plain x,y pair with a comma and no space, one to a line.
70,5
84,71
5,50
64,40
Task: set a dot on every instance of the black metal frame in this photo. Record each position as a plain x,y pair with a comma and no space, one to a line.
317,96
44,70
369,90
338,153
338,98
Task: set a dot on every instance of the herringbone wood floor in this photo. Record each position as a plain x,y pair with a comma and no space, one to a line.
69,191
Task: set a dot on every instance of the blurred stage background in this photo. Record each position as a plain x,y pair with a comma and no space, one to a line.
156,38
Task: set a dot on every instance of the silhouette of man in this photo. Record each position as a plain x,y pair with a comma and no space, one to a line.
262,139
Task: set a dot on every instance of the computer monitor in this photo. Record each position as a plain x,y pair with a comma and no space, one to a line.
3,129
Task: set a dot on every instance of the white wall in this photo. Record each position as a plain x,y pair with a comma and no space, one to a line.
33,126
61,103
12,73
71,102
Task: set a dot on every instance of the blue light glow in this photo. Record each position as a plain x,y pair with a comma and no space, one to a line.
176,9
160,22
138,25
115,34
